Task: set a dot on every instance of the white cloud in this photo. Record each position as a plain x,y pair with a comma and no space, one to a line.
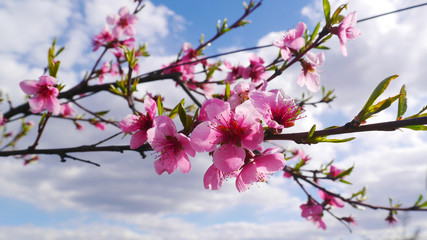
127,190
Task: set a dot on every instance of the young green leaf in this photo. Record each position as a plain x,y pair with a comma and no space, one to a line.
227,91
175,110
327,10
160,105
182,115
401,109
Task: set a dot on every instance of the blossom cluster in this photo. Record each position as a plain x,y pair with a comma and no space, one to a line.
231,131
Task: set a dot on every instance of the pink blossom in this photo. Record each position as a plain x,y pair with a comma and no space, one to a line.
125,23
139,124
236,72
310,75
100,125
67,110
214,177
102,38
391,219
228,133
260,168
189,53
331,200
187,70
334,171
173,147
44,94
350,220
313,212
299,153
256,69
287,174
293,39
347,30
241,93
278,109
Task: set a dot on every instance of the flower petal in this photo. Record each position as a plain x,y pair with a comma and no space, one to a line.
228,158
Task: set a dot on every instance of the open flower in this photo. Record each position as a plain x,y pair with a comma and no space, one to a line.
279,110
331,200
125,23
173,147
67,110
346,30
260,168
310,76
313,212
292,39
44,94
228,133
139,124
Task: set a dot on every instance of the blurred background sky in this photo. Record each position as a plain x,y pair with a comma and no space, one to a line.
126,199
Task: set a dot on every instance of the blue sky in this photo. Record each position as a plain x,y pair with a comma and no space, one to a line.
126,199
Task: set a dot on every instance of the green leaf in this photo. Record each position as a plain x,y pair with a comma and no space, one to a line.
336,16
419,114
380,106
327,10
311,132
345,173
324,139
419,200
175,110
423,205
59,51
401,109
417,127
322,47
160,105
346,182
182,115
101,113
382,86
227,91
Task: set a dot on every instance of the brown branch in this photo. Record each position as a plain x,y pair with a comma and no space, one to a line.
61,151
302,137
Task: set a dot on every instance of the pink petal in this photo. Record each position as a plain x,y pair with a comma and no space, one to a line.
150,107
138,139
247,176
271,162
52,105
186,144
217,110
164,127
123,11
228,158
130,123
183,163
29,87
47,80
112,19
300,30
204,137
297,44
161,165
37,104
286,53
213,178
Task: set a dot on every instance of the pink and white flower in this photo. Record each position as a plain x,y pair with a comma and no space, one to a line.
310,75
291,40
139,124
67,110
228,133
260,168
331,200
102,38
278,109
347,30
44,94
125,23
313,212
235,73
173,147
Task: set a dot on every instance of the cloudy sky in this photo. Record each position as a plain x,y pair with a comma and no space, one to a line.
126,199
